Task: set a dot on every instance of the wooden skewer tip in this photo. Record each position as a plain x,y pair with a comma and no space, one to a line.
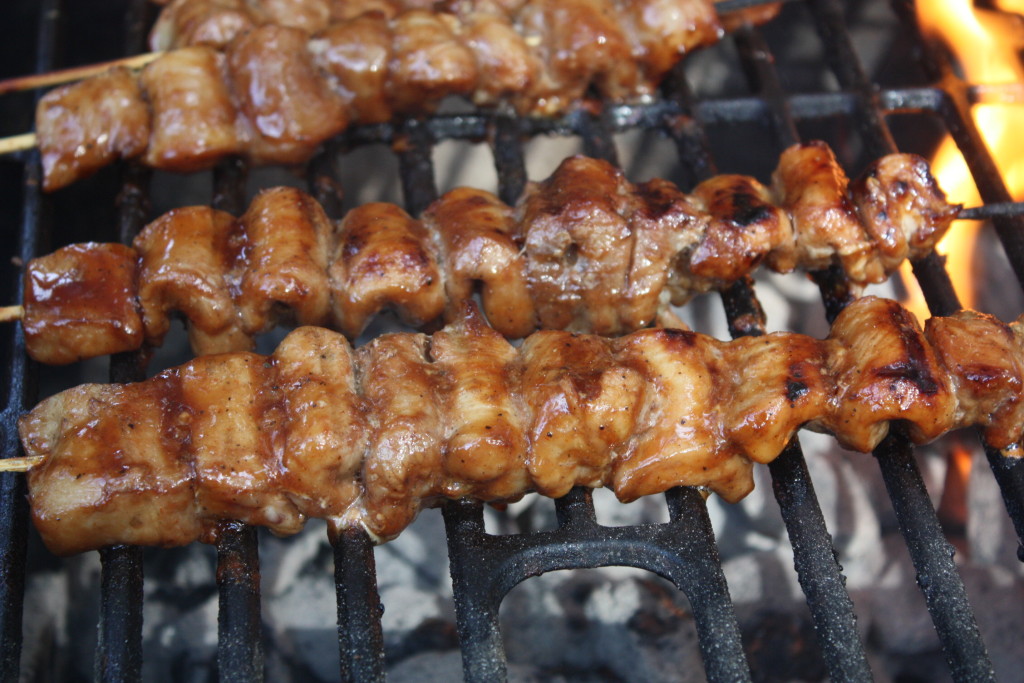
17,143
22,464
11,313
76,73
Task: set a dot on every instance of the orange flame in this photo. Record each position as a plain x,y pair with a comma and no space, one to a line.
985,44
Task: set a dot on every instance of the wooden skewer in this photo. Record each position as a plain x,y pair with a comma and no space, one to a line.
17,143
11,313
22,464
76,73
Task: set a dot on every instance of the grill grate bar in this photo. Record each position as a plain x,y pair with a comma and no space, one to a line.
119,641
239,641
932,556
757,61
485,567
846,65
414,147
360,636
596,131
814,557
507,148
1008,471
943,587
21,389
119,646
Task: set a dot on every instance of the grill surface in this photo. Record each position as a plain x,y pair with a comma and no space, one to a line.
485,567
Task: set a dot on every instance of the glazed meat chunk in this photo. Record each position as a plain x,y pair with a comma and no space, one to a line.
811,185
194,120
111,473
285,236
326,432
285,101
214,23
88,125
236,417
475,231
384,258
80,303
184,259
902,207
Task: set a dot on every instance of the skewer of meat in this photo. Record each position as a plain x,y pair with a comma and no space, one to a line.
217,22
369,437
275,93
584,250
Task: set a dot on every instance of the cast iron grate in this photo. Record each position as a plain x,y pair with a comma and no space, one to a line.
484,566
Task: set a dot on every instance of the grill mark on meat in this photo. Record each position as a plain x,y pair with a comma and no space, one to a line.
749,209
913,368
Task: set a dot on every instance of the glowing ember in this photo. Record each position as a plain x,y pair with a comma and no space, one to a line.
986,45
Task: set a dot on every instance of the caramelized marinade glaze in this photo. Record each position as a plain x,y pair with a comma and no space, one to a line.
368,437
235,80
585,250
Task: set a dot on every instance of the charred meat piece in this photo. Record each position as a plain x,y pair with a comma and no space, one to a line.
902,208
745,229
884,370
355,56
576,243
285,238
213,23
475,231
986,371
114,471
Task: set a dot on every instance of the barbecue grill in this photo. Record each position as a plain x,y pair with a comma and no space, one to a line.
484,566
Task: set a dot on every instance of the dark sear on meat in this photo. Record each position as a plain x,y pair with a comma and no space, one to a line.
369,437
272,80
585,250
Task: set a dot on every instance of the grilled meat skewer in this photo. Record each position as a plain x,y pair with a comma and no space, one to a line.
369,437
217,22
584,250
274,93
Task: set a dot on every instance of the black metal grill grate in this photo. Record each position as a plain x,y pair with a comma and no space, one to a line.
484,566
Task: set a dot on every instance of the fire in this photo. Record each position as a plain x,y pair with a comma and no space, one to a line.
986,44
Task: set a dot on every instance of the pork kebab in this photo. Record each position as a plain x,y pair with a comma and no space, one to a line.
367,438
584,250
275,93
217,22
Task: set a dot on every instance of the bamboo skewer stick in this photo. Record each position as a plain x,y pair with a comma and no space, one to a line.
76,73
11,313
17,143
22,464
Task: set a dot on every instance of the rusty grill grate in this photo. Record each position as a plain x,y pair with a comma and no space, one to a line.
485,567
